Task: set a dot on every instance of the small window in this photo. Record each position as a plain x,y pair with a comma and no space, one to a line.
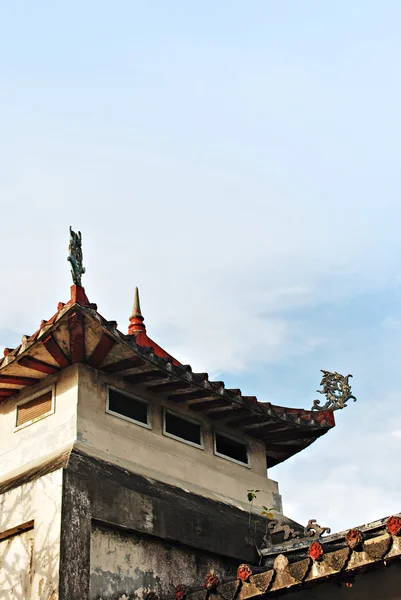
128,407
226,447
38,407
182,429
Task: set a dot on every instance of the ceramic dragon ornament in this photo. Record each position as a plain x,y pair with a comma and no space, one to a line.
337,390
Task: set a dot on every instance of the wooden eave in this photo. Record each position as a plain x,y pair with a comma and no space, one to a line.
78,333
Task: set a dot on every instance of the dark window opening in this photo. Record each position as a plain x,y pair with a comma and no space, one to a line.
128,407
231,448
182,428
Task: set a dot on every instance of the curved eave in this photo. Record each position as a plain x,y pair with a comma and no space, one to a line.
79,333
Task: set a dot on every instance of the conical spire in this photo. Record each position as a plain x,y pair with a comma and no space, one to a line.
136,324
136,308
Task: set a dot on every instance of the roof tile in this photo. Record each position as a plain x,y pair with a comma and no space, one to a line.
395,548
228,590
263,580
337,560
378,547
248,590
299,569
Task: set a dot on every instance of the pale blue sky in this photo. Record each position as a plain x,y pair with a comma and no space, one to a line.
240,162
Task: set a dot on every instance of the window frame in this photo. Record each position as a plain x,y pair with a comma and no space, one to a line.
147,425
200,446
234,439
37,394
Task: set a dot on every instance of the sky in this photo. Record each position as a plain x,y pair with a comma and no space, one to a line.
240,163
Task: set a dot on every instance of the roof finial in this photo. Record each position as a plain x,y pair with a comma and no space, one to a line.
75,257
136,308
136,319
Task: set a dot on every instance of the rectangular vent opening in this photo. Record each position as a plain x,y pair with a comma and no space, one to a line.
33,409
128,407
182,429
232,449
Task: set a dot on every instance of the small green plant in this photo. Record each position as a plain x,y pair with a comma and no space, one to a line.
252,495
265,512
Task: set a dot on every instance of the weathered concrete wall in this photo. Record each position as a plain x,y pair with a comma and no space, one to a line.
134,565
151,453
16,553
37,505
98,492
32,445
381,584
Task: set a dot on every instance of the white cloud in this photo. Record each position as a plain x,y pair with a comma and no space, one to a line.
392,324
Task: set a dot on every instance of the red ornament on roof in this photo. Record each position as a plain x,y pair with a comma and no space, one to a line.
211,581
393,525
354,539
315,551
180,592
244,572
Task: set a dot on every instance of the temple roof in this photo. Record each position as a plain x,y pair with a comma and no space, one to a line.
77,333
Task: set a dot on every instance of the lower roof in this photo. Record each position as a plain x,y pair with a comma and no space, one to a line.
337,558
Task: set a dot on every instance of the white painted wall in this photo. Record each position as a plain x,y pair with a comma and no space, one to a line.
15,566
80,413
38,501
151,453
34,444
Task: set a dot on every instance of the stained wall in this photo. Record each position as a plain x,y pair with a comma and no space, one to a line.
132,565
123,533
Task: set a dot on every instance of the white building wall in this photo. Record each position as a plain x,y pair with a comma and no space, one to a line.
149,452
26,448
29,560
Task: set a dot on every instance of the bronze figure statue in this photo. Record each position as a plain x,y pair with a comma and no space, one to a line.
75,257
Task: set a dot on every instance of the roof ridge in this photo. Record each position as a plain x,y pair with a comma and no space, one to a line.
357,554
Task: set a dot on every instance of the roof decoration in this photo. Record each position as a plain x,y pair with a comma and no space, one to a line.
312,530
75,257
137,329
78,333
211,581
354,539
181,592
337,390
244,572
